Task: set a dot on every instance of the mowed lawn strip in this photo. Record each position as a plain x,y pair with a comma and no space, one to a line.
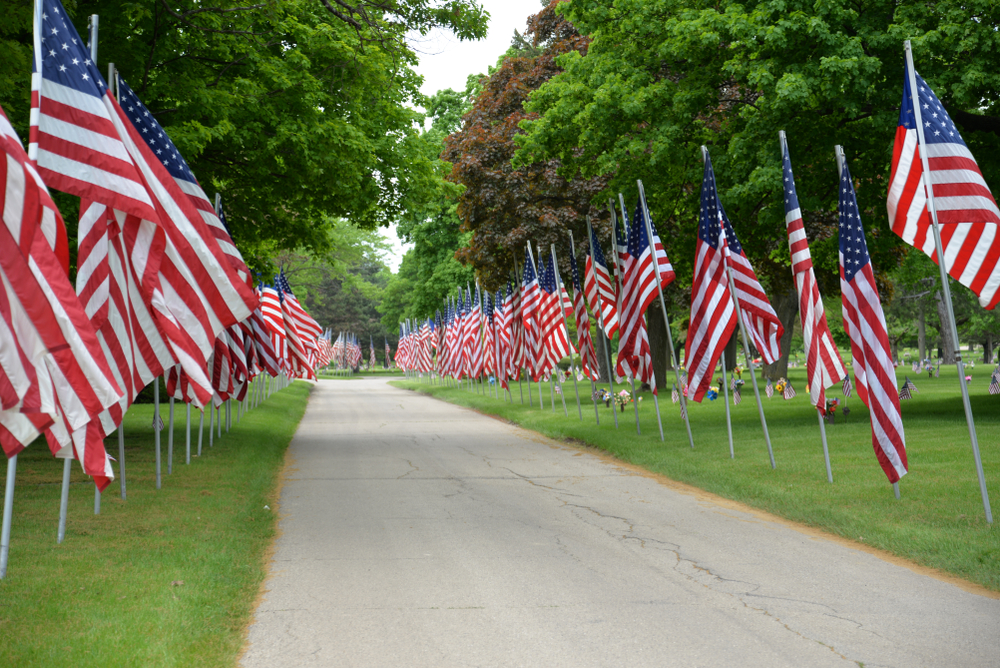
166,578
939,522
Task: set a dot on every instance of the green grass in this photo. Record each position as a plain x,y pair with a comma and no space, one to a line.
110,594
939,521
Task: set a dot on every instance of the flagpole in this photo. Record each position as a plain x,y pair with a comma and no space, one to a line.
618,296
211,422
170,439
121,456
600,323
663,307
156,427
746,347
187,434
64,497
826,450
945,284
725,396
8,513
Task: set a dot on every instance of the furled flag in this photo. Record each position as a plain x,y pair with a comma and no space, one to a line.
588,356
737,396
371,352
874,374
713,316
514,313
967,213
388,353
847,386
995,382
53,373
489,336
501,321
530,299
769,389
474,334
599,287
638,290
824,367
675,396
551,323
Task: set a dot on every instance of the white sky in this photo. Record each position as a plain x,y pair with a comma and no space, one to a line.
446,62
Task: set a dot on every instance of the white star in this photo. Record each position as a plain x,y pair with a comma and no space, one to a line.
52,52
86,77
76,61
65,46
62,68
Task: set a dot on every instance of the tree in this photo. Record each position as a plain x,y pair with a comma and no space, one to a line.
504,205
662,77
295,114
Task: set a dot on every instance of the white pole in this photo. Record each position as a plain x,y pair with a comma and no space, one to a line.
156,426
64,498
725,396
170,440
97,500
663,307
826,450
211,423
187,435
201,429
121,455
8,510
945,284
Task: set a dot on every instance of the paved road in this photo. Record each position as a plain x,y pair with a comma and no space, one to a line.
415,533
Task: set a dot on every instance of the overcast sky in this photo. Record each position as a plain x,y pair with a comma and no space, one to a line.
446,63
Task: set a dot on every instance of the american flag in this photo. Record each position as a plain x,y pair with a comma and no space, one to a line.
309,330
666,270
489,336
266,356
505,312
638,290
737,396
865,324
475,333
588,357
908,389
847,386
515,313
551,312
759,319
599,287
713,316
371,352
298,353
995,382
966,210
789,391
530,302
422,359
53,373
824,367
769,389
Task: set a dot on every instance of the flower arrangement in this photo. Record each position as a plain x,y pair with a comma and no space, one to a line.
622,399
779,387
968,380
713,392
600,394
831,409
738,371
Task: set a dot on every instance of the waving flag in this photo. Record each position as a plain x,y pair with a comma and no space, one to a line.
824,368
598,286
995,382
588,357
502,323
474,335
638,290
713,316
967,213
874,374
53,373
555,338
530,301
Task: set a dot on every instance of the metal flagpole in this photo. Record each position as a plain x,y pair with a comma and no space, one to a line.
187,435
618,296
201,429
218,423
746,347
826,450
170,439
8,510
121,456
945,284
156,425
97,500
663,307
600,325
559,288
211,423
64,499
725,397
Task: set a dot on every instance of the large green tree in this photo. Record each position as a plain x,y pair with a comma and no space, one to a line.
662,77
298,111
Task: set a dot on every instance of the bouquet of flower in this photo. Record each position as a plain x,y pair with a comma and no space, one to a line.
622,399
600,394
779,387
831,409
713,392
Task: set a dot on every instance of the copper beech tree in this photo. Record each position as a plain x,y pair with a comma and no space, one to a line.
504,207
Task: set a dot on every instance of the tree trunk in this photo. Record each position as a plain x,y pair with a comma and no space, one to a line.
921,334
786,306
658,347
602,349
988,349
948,347
735,343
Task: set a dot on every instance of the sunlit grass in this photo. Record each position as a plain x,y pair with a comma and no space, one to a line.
166,578
938,522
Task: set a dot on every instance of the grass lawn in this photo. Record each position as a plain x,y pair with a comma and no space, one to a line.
166,578
939,521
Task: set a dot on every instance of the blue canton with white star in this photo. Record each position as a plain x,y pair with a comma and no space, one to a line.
65,57
547,277
711,207
788,183
529,269
852,233
153,133
638,240
938,126
575,271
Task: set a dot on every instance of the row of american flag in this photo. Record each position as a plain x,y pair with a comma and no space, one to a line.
485,334
161,288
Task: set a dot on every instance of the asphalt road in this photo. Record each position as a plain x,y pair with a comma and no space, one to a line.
415,533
